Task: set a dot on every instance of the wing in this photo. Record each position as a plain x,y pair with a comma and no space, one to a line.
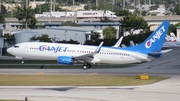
90,57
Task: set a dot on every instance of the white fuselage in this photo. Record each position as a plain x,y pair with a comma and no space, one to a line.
51,51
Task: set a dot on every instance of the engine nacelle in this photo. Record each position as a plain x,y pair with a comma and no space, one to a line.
65,60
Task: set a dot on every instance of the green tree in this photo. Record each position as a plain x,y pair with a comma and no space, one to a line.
133,22
95,36
144,13
137,38
154,7
177,10
46,8
3,10
69,23
109,32
173,28
105,19
34,38
137,12
87,7
2,18
26,15
42,38
42,8
123,13
32,22
9,38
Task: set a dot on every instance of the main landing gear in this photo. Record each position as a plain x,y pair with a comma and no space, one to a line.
86,66
22,61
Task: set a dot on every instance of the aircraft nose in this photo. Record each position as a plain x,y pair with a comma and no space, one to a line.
10,50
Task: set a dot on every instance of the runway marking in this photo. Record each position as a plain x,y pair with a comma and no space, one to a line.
93,73
40,73
52,97
158,64
88,99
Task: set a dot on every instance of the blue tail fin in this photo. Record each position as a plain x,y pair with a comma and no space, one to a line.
155,41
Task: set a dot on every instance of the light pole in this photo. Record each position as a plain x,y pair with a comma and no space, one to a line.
73,6
57,40
124,4
54,5
75,36
51,8
0,6
54,39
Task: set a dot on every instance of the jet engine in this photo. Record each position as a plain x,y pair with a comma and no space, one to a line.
68,60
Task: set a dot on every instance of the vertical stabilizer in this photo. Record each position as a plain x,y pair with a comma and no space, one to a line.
155,41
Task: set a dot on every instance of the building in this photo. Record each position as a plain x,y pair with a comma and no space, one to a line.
178,31
1,29
60,33
55,33
2,46
159,12
2,41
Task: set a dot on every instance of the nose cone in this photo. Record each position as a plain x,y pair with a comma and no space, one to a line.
10,50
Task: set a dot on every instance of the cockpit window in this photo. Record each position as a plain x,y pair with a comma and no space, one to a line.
16,46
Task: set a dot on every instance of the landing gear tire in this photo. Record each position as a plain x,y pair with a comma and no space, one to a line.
42,66
22,61
86,66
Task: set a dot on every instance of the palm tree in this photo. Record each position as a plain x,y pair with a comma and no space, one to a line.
109,32
9,38
26,15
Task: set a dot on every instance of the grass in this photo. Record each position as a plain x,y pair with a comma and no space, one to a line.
75,80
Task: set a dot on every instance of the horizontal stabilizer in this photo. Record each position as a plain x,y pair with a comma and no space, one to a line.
132,43
166,50
123,46
159,54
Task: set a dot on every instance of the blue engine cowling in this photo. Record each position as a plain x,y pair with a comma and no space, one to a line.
65,60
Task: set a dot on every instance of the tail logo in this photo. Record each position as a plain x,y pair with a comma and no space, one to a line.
155,37
148,44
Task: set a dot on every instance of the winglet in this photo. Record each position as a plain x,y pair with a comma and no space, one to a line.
98,48
118,42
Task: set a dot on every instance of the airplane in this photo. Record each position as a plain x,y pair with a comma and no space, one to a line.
171,44
171,41
172,38
70,53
